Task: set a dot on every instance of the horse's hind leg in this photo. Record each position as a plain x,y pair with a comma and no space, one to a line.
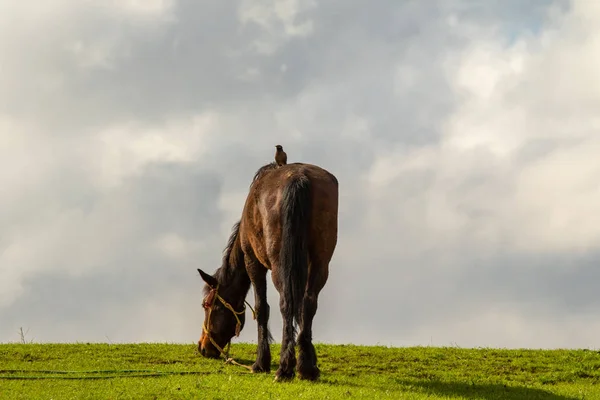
287,356
258,276
307,357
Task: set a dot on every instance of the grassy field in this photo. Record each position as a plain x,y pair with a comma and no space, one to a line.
165,371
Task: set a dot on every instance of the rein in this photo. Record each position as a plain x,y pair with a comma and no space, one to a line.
238,325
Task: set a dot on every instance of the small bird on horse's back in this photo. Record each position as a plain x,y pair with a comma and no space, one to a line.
280,156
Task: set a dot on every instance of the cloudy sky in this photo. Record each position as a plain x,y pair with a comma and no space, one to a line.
464,134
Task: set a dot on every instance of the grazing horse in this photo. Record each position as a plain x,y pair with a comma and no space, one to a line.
288,226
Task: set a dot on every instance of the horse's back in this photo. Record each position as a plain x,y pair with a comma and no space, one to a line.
261,227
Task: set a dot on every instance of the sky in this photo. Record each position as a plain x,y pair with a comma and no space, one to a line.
464,135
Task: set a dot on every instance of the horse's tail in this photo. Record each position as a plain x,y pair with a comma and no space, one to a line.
295,220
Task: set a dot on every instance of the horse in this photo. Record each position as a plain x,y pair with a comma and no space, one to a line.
289,226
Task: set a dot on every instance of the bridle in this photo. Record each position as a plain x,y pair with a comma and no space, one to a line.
211,303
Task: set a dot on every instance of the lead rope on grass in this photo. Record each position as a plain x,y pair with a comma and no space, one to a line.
228,359
12,374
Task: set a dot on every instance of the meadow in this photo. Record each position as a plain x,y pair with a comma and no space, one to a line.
176,371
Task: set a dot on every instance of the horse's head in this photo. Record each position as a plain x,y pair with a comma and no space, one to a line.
221,320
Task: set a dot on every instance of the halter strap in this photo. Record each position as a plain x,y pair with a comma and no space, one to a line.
238,325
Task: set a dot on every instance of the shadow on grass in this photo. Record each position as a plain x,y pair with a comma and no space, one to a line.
485,391
458,389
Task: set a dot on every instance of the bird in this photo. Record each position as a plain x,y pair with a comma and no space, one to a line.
280,156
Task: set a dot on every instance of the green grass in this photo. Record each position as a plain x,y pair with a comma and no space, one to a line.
167,371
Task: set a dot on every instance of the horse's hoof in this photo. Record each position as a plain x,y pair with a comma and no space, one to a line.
281,376
310,375
257,369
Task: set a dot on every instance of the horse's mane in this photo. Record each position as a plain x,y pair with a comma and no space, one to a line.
262,170
227,253
230,257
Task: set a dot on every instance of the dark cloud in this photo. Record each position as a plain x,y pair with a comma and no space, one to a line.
175,198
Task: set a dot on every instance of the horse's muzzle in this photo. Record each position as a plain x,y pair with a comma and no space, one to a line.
206,349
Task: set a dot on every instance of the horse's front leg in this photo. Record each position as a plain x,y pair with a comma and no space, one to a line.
258,276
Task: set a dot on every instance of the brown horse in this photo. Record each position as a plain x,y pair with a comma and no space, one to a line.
289,226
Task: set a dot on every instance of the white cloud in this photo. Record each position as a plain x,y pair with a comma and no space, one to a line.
556,199
125,150
510,329
510,97
278,19
177,247
153,8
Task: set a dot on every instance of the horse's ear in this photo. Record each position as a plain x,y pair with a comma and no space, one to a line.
212,282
